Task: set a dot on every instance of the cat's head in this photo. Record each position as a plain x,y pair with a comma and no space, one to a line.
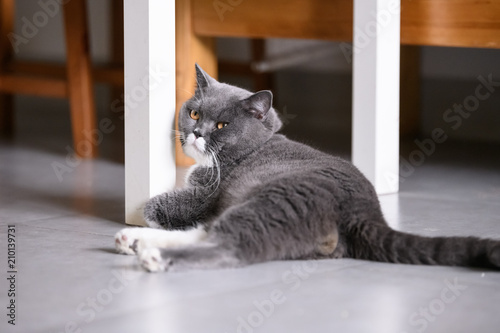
225,121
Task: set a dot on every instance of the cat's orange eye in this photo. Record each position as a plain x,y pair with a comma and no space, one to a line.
221,125
194,115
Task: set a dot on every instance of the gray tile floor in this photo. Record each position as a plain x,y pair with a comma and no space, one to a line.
70,279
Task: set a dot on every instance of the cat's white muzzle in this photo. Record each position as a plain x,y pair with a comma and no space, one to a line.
195,148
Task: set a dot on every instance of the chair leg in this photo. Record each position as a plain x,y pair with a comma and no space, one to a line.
80,85
149,158
189,49
410,91
262,81
117,43
375,98
6,100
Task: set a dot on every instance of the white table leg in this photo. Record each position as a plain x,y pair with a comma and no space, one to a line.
376,42
149,102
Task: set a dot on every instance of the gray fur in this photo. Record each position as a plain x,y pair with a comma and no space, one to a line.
269,198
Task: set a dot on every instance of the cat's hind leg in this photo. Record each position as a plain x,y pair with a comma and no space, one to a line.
134,240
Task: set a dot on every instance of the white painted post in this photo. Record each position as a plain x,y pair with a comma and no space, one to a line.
376,42
149,102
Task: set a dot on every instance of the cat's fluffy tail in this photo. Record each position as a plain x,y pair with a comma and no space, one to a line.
381,243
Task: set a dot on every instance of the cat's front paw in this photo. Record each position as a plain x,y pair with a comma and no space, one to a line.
127,241
152,260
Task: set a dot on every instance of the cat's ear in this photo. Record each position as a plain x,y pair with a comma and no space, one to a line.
259,103
203,80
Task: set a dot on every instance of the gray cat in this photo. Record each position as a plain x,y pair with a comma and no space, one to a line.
257,196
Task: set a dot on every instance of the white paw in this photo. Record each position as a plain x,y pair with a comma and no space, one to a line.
152,261
134,240
127,241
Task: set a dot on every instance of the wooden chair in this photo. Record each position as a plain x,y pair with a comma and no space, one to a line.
73,82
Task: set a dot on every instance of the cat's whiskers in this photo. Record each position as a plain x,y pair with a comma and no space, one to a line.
189,93
211,175
177,132
215,170
179,135
213,165
217,180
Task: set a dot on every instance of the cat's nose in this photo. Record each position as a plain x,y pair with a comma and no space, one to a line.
197,133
